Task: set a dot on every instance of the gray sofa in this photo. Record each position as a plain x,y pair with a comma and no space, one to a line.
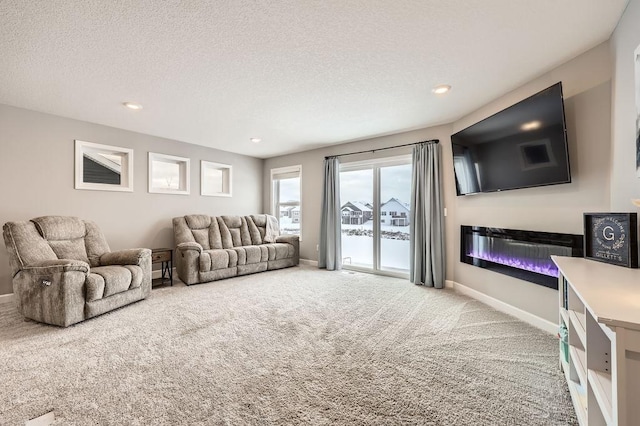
212,248
64,272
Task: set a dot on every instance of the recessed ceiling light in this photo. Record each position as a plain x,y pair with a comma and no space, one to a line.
255,140
532,125
133,105
441,89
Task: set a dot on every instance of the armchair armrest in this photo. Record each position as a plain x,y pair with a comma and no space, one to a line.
50,267
125,257
52,291
189,246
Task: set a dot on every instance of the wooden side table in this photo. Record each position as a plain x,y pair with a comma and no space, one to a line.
164,256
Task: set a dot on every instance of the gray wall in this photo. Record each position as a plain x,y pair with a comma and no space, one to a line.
312,178
625,185
587,91
37,172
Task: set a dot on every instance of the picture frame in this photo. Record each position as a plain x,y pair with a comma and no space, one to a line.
611,238
216,179
169,174
101,167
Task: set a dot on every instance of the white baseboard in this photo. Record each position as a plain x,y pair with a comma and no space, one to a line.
501,306
448,284
309,262
6,297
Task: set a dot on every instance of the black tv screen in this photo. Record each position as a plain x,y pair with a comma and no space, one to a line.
522,146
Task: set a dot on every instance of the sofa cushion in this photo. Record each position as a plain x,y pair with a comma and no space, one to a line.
95,243
96,282
225,235
254,231
54,228
215,239
233,258
202,237
279,251
25,245
260,221
199,225
70,249
219,259
95,287
211,260
254,254
65,236
136,275
116,278
264,253
237,231
198,221
242,255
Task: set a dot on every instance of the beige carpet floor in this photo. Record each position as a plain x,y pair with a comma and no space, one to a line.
296,346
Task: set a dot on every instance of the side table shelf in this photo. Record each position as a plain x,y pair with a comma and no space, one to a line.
164,256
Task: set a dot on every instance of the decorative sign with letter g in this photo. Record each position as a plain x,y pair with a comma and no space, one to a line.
611,238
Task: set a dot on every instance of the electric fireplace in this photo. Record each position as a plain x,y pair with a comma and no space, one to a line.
521,254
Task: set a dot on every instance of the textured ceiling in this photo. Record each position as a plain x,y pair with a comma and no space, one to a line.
300,74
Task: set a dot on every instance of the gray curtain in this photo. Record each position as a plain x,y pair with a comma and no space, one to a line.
427,222
330,241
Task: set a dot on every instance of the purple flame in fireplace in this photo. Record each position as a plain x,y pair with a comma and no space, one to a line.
547,269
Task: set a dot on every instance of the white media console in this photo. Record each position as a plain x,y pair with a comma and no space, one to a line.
600,307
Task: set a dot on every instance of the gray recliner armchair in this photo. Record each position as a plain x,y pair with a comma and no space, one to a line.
64,272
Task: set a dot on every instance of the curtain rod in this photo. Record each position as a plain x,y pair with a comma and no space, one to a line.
382,149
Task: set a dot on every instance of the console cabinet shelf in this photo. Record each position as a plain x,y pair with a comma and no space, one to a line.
600,309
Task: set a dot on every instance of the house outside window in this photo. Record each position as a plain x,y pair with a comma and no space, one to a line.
286,197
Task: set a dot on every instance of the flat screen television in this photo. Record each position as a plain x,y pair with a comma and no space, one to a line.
522,146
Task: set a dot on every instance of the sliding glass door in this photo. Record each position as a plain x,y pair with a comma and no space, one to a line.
375,215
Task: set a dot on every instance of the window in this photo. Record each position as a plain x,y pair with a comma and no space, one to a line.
103,167
168,174
286,197
215,179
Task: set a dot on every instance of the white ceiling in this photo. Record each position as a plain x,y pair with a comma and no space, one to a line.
300,74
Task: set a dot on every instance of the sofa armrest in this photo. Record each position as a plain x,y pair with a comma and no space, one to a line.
294,240
189,246
289,239
50,267
187,262
125,257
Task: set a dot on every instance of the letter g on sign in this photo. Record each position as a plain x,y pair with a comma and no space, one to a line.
608,233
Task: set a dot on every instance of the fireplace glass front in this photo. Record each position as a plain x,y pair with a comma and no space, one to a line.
521,254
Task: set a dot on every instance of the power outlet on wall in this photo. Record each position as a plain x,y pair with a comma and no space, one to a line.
317,247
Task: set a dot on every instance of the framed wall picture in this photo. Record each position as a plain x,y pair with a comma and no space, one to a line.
612,238
169,174
215,179
103,167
